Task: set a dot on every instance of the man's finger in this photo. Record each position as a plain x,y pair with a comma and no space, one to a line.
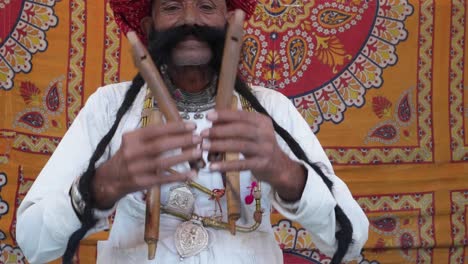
149,180
168,143
164,163
221,116
176,177
151,165
236,165
248,148
227,130
152,132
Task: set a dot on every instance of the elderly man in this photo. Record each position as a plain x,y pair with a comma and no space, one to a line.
120,158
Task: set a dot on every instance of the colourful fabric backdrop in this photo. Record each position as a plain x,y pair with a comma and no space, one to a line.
381,82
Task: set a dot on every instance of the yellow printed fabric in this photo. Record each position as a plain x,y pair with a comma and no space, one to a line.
381,83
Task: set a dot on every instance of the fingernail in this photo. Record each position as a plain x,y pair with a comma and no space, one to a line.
213,116
196,139
190,126
206,144
205,133
197,153
214,166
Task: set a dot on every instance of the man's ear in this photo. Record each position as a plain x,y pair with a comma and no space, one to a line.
146,24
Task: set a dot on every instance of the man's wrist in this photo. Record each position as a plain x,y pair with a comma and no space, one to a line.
291,182
79,204
76,199
105,193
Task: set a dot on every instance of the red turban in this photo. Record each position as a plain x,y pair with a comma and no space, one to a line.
129,13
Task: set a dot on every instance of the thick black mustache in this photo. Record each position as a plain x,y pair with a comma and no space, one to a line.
161,43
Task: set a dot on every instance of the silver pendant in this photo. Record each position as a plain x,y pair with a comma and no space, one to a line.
198,115
191,238
181,201
185,116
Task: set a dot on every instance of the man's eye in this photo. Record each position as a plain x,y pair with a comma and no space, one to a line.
207,7
171,8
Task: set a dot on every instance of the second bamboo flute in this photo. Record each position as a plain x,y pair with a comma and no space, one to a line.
224,96
154,81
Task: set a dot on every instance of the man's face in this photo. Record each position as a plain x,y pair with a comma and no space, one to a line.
168,14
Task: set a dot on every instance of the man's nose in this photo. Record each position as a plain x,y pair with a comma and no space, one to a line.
191,15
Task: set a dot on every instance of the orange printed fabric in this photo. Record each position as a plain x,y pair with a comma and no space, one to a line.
381,83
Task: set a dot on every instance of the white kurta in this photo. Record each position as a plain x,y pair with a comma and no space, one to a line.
46,218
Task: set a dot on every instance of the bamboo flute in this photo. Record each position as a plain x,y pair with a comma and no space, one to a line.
151,75
224,100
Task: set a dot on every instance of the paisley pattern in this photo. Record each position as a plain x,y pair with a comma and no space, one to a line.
33,119
21,38
395,219
52,99
386,132
280,15
385,224
404,110
330,42
333,18
42,116
406,241
251,48
297,48
393,128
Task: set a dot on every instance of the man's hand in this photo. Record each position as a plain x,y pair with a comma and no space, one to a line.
252,134
140,162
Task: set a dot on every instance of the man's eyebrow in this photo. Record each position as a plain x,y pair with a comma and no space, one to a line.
166,1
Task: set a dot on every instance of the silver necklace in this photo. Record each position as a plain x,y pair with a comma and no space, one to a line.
188,103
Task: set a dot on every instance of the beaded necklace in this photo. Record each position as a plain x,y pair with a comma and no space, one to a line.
191,102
